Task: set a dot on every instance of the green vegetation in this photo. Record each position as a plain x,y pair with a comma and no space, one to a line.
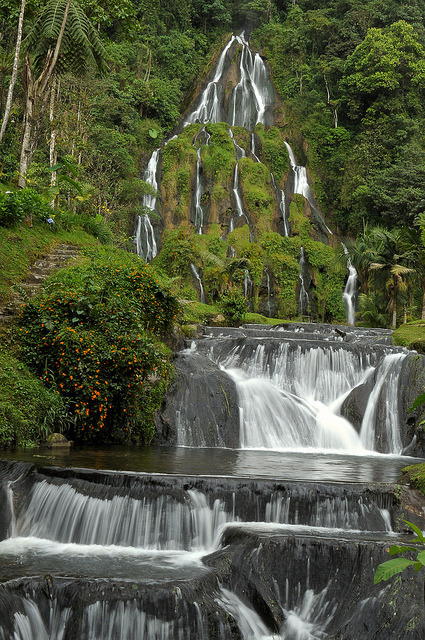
91,338
28,410
416,475
411,335
392,567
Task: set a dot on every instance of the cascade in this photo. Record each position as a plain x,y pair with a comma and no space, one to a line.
145,237
247,285
199,212
349,295
282,207
303,299
276,497
198,278
302,186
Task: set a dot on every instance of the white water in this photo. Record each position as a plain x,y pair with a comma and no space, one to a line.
198,278
291,398
350,291
301,185
250,97
145,236
303,299
282,208
199,212
209,104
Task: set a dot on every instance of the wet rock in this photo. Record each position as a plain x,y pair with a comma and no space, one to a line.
202,402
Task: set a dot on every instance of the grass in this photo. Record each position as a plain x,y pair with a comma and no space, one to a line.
21,246
411,335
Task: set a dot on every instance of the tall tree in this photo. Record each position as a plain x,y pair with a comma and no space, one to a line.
14,72
62,39
390,267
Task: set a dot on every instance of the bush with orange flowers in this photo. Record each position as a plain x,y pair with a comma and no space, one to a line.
94,338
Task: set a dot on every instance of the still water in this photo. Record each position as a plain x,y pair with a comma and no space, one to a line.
283,465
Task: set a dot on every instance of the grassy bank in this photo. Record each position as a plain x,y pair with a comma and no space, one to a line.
411,335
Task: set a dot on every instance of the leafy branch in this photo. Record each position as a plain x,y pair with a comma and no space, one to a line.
392,567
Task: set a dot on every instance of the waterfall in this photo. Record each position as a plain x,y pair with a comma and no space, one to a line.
350,291
302,186
199,212
303,299
236,193
290,396
145,237
250,98
240,153
282,208
198,278
209,104
247,284
253,150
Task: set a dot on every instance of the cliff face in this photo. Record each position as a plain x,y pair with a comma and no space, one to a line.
233,202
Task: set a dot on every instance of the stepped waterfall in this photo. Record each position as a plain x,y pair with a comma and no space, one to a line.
271,491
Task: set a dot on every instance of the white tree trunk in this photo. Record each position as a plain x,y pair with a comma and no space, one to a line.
14,72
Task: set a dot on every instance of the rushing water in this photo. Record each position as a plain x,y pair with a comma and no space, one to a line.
145,236
273,537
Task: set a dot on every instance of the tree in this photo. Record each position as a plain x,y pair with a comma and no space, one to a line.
390,265
62,39
388,61
14,72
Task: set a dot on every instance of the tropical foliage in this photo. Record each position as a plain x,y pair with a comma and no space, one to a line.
92,339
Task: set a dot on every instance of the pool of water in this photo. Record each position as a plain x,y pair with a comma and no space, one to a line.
305,465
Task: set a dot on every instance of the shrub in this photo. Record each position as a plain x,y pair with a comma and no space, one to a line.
234,307
92,337
28,411
15,205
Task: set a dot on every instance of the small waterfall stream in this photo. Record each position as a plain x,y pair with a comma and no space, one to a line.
350,291
145,237
303,299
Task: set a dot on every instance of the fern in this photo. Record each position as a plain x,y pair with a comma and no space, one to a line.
81,46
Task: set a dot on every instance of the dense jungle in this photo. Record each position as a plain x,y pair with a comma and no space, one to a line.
92,93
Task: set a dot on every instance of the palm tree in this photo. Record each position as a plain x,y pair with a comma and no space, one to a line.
62,39
390,267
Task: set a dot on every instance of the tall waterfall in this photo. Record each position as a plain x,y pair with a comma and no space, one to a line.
145,236
199,281
249,99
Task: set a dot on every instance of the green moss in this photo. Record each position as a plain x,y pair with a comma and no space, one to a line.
416,475
178,166
257,193
300,224
274,151
411,335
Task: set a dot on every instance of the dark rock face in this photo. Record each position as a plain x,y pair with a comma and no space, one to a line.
355,404
324,584
203,400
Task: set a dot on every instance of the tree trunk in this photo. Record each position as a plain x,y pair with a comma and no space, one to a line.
37,95
423,301
395,293
14,72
